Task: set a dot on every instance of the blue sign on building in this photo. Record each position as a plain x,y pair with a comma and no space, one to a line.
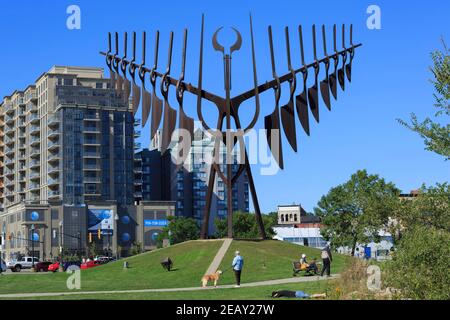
156,223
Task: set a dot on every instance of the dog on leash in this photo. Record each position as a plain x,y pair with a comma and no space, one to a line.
211,277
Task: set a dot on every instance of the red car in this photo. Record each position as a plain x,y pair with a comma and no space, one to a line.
90,264
53,267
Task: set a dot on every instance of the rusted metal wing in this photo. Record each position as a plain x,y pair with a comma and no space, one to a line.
287,111
333,76
348,67
272,121
146,97
185,123
302,100
341,72
313,93
170,114
325,84
157,104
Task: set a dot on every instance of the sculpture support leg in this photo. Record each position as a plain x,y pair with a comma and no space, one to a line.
205,227
251,184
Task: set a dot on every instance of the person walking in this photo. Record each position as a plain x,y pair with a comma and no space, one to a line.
327,258
237,264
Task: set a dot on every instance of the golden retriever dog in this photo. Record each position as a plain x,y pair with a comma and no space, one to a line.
211,277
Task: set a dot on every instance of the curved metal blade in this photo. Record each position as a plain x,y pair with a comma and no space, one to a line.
288,121
186,123
325,92
341,78
119,85
302,111
136,97
156,114
348,69
313,99
146,105
113,79
126,91
272,125
333,85
169,123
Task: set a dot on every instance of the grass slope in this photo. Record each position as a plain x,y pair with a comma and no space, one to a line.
191,259
268,260
264,260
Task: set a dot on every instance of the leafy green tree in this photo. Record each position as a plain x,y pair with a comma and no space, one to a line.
245,226
136,248
436,134
180,229
354,212
420,265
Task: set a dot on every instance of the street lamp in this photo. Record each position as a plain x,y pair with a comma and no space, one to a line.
116,218
32,246
60,240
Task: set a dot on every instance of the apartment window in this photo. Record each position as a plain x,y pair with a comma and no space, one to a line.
68,82
55,214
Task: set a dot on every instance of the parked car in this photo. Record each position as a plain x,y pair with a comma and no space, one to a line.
2,266
42,266
54,267
23,263
90,264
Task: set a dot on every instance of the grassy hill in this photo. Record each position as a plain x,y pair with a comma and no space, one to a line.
268,260
264,260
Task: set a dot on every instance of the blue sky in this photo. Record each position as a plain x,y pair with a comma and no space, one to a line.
391,76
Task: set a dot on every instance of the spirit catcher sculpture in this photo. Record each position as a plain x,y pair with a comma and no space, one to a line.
228,107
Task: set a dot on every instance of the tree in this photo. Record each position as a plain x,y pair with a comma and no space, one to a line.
420,264
436,135
245,226
180,229
136,248
357,210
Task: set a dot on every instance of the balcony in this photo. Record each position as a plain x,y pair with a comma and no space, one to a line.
53,121
22,123
90,154
22,168
91,116
53,182
90,167
22,156
34,175
92,179
9,152
92,142
9,141
53,170
34,163
91,129
35,141
34,187
33,118
9,131
35,129
35,153
53,134
54,157
54,194
92,193
53,145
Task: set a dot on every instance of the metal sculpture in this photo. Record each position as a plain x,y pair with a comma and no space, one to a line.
228,106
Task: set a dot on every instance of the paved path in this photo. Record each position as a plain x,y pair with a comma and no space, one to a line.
244,285
219,256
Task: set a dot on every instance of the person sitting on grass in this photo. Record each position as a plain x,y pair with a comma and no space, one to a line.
297,294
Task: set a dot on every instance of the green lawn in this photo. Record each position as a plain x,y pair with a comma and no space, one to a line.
191,260
268,260
264,260
255,293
